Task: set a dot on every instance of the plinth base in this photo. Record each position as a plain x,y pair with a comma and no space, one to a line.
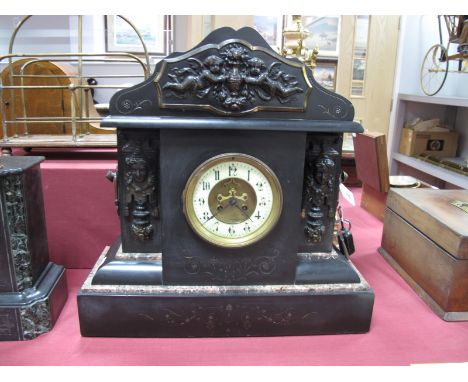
222,311
28,314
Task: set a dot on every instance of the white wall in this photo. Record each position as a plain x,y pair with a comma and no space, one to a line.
59,34
36,34
418,34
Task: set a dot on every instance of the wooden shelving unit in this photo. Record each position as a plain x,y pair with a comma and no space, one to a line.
452,111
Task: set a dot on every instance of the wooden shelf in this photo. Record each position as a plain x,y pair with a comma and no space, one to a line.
448,101
452,111
438,172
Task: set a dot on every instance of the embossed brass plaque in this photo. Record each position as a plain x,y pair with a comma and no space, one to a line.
233,77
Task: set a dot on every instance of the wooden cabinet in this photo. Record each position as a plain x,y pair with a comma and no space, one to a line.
452,111
426,244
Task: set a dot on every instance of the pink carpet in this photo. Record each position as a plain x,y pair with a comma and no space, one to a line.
81,220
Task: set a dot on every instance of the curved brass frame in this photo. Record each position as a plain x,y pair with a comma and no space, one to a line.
80,114
21,22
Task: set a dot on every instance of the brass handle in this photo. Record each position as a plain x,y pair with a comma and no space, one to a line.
111,175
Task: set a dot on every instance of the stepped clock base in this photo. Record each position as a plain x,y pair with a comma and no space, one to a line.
223,311
28,314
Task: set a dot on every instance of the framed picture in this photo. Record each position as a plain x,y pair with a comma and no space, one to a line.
325,74
359,68
154,29
271,29
324,34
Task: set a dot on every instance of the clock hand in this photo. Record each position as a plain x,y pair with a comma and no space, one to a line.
211,217
223,206
241,210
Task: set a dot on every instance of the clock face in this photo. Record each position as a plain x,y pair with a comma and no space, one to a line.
232,200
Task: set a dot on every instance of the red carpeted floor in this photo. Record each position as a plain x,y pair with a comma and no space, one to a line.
81,220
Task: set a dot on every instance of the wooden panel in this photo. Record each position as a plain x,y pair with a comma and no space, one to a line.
194,31
447,316
380,71
371,160
373,201
38,102
442,276
373,110
191,30
430,212
50,103
345,63
232,21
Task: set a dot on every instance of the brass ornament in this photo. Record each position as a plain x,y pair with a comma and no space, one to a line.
231,78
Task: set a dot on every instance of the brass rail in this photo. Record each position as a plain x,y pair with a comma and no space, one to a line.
80,112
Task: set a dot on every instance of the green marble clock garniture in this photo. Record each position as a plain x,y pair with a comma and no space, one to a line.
226,188
32,289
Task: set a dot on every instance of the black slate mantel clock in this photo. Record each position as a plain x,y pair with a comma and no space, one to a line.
227,186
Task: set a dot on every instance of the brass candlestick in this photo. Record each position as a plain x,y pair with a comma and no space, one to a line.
293,43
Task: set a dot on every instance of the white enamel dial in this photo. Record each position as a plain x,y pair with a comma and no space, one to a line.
232,200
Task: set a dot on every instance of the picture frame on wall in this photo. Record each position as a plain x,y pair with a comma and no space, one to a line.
324,34
154,29
271,29
325,74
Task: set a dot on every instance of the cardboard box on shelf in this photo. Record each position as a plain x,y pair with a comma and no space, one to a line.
438,144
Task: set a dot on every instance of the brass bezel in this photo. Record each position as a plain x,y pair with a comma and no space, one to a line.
268,225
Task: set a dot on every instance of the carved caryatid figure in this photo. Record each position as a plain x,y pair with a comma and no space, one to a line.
139,182
320,183
323,181
140,189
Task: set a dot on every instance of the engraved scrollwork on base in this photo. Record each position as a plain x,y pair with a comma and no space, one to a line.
234,319
192,266
234,271
235,78
140,202
16,218
7,324
36,320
